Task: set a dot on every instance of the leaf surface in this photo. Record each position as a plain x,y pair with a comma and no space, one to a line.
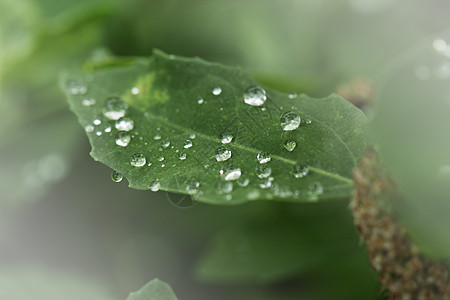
154,290
181,108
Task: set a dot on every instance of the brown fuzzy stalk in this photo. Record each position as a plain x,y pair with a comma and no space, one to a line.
404,273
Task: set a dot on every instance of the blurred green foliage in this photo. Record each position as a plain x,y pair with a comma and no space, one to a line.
63,218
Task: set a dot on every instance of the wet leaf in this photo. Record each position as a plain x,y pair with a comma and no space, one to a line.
174,113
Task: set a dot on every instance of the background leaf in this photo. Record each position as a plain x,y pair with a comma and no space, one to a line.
154,290
179,136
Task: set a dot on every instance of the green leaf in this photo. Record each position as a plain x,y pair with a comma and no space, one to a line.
161,96
154,290
411,122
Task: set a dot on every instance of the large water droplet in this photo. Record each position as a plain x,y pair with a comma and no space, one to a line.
290,121
217,91
114,108
77,86
263,171
116,176
226,138
230,172
263,157
193,186
222,154
88,102
187,144
122,139
155,186
315,189
255,96
166,143
138,160
300,171
243,181
290,145
225,187
124,124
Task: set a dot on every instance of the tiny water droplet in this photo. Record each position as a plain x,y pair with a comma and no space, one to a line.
108,129
206,167
222,154
97,122
149,164
116,176
225,187
157,136
292,95
263,157
124,124
193,186
200,101
230,172
217,91
192,136
300,171
243,181
77,86
182,156
187,144
138,160
166,143
155,186
315,189
161,158
226,138
263,171
255,96
88,102
308,121
98,133
266,183
290,121
114,108
122,139
89,128
290,145
135,91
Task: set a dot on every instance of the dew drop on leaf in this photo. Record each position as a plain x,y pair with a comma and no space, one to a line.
135,91
155,186
230,172
107,129
193,186
266,183
88,102
225,187
263,171
122,139
77,87
292,95
161,158
192,136
290,121
263,157
116,176
89,128
255,96
157,137
217,91
97,122
138,160
98,133
182,156
315,189
226,138
290,145
114,108
124,124
299,171
200,101
166,143
187,144
243,181
222,154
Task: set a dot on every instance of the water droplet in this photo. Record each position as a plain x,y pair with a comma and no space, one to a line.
225,187
206,167
439,45
200,101
243,181
222,154
108,129
161,158
263,171
308,121
155,186
124,124
88,102
77,86
230,172
193,186
292,95
114,108
290,145
89,128
192,136
182,156
263,157
187,144
226,138
217,91
166,143
135,91
149,164
138,160
290,121
315,189
97,122
98,133
116,176
255,96
122,139
300,171
157,136
266,183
